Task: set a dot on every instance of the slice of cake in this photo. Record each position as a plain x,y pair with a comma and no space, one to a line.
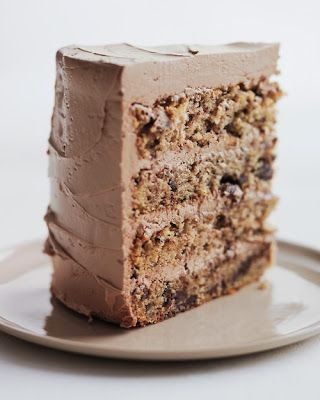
161,161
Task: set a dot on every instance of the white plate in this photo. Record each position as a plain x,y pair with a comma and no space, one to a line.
284,310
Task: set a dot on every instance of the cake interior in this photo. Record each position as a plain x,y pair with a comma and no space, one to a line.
202,196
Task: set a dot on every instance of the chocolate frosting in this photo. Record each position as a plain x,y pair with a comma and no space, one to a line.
93,155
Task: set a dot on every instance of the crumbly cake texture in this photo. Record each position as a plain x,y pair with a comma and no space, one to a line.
161,164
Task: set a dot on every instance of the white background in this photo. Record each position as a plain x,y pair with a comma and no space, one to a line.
30,33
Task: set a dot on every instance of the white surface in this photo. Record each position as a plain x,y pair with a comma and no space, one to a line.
30,32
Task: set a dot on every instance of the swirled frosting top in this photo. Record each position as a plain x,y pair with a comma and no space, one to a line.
125,53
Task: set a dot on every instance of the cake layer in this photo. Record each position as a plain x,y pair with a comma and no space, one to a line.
180,245
163,299
213,176
89,295
197,117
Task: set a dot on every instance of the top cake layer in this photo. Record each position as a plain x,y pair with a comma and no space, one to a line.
168,69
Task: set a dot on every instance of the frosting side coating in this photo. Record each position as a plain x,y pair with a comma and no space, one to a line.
84,167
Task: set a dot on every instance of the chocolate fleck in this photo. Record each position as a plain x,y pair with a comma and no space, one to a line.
264,171
145,294
173,185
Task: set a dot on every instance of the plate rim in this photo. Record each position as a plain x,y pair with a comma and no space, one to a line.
75,347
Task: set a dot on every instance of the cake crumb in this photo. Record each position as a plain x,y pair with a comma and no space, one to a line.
262,286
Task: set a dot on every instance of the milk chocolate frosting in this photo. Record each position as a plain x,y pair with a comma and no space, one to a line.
93,156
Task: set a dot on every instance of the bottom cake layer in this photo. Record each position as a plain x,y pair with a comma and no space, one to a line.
89,295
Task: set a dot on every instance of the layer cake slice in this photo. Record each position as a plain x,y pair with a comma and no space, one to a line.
161,162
